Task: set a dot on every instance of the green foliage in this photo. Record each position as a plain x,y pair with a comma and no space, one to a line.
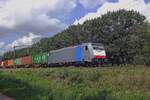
22,90
125,35
121,83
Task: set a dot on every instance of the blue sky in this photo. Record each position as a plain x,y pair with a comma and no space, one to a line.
21,21
147,1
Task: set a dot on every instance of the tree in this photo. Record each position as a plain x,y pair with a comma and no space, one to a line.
116,30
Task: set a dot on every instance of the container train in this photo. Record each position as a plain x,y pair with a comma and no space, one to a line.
85,54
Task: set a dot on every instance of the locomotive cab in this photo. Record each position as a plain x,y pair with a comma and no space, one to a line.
98,53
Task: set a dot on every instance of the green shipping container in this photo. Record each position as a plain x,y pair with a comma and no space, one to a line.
40,58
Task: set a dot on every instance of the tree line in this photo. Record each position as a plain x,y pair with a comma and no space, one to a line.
125,35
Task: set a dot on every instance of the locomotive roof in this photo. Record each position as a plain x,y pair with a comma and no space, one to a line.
67,47
95,44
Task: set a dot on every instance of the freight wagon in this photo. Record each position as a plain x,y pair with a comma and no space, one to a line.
40,59
85,54
26,61
17,62
8,63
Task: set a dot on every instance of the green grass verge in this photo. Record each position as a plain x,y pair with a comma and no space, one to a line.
131,83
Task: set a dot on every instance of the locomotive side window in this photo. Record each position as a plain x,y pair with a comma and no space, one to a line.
86,47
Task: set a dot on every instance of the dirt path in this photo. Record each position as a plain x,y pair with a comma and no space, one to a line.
3,97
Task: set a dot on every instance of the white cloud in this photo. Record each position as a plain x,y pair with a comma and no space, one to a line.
91,3
137,5
28,40
22,42
34,15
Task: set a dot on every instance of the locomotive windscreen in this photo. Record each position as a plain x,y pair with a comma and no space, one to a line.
97,44
98,48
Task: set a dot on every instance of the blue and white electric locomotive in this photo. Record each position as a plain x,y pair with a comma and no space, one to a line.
87,53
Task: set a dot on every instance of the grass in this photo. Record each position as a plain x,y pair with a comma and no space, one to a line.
110,83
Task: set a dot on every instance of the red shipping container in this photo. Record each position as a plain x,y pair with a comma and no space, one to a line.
10,62
5,63
26,60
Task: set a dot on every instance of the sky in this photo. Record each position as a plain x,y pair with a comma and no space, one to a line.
23,22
